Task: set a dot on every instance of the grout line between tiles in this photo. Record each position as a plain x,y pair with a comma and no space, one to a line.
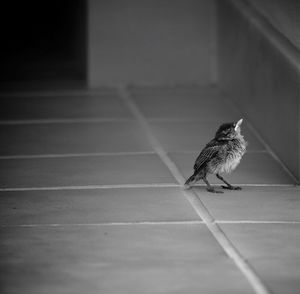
63,155
256,222
89,120
124,186
150,223
88,187
181,120
63,121
95,154
47,93
194,200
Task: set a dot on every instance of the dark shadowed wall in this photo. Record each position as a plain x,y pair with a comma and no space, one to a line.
42,40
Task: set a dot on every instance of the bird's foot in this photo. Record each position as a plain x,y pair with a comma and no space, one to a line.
187,186
212,190
231,187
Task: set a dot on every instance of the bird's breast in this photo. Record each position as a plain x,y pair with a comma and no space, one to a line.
230,163
233,156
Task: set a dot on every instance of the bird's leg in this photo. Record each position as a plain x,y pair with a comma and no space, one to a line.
228,186
209,187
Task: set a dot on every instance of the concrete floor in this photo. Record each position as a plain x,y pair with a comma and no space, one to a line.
91,198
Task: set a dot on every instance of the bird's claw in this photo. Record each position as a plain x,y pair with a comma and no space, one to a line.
212,190
187,187
231,187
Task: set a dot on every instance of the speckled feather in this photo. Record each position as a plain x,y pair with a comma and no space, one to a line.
221,156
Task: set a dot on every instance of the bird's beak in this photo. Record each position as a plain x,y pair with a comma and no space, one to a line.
238,124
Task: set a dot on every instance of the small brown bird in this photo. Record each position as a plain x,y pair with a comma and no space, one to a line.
221,154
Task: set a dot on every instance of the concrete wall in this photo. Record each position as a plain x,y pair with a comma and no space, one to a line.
284,15
142,41
260,69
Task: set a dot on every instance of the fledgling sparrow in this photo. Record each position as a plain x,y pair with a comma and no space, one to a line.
222,154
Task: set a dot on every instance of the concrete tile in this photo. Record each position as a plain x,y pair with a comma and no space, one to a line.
94,206
280,275
255,204
62,106
267,241
94,170
57,138
116,259
203,106
273,252
255,168
184,136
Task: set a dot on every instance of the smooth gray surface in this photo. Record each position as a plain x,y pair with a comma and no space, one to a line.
64,138
116,259
255,204
94,206
78,171
285,277
273,251
62,106
266,241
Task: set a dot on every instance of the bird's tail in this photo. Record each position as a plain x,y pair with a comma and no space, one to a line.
190,180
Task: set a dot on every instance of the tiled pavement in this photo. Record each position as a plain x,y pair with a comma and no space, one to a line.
91,198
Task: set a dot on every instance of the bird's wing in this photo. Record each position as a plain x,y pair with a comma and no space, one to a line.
210,150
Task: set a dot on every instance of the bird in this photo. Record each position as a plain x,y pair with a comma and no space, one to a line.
221,155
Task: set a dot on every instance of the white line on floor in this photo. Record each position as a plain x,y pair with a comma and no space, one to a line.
256,222
95,154
6,157
181,120
43,93
89,187
192,222
63,121
197,204
126,186
136,223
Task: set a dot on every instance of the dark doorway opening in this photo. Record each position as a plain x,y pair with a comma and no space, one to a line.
43,42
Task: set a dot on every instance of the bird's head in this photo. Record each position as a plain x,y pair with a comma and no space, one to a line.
229,131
